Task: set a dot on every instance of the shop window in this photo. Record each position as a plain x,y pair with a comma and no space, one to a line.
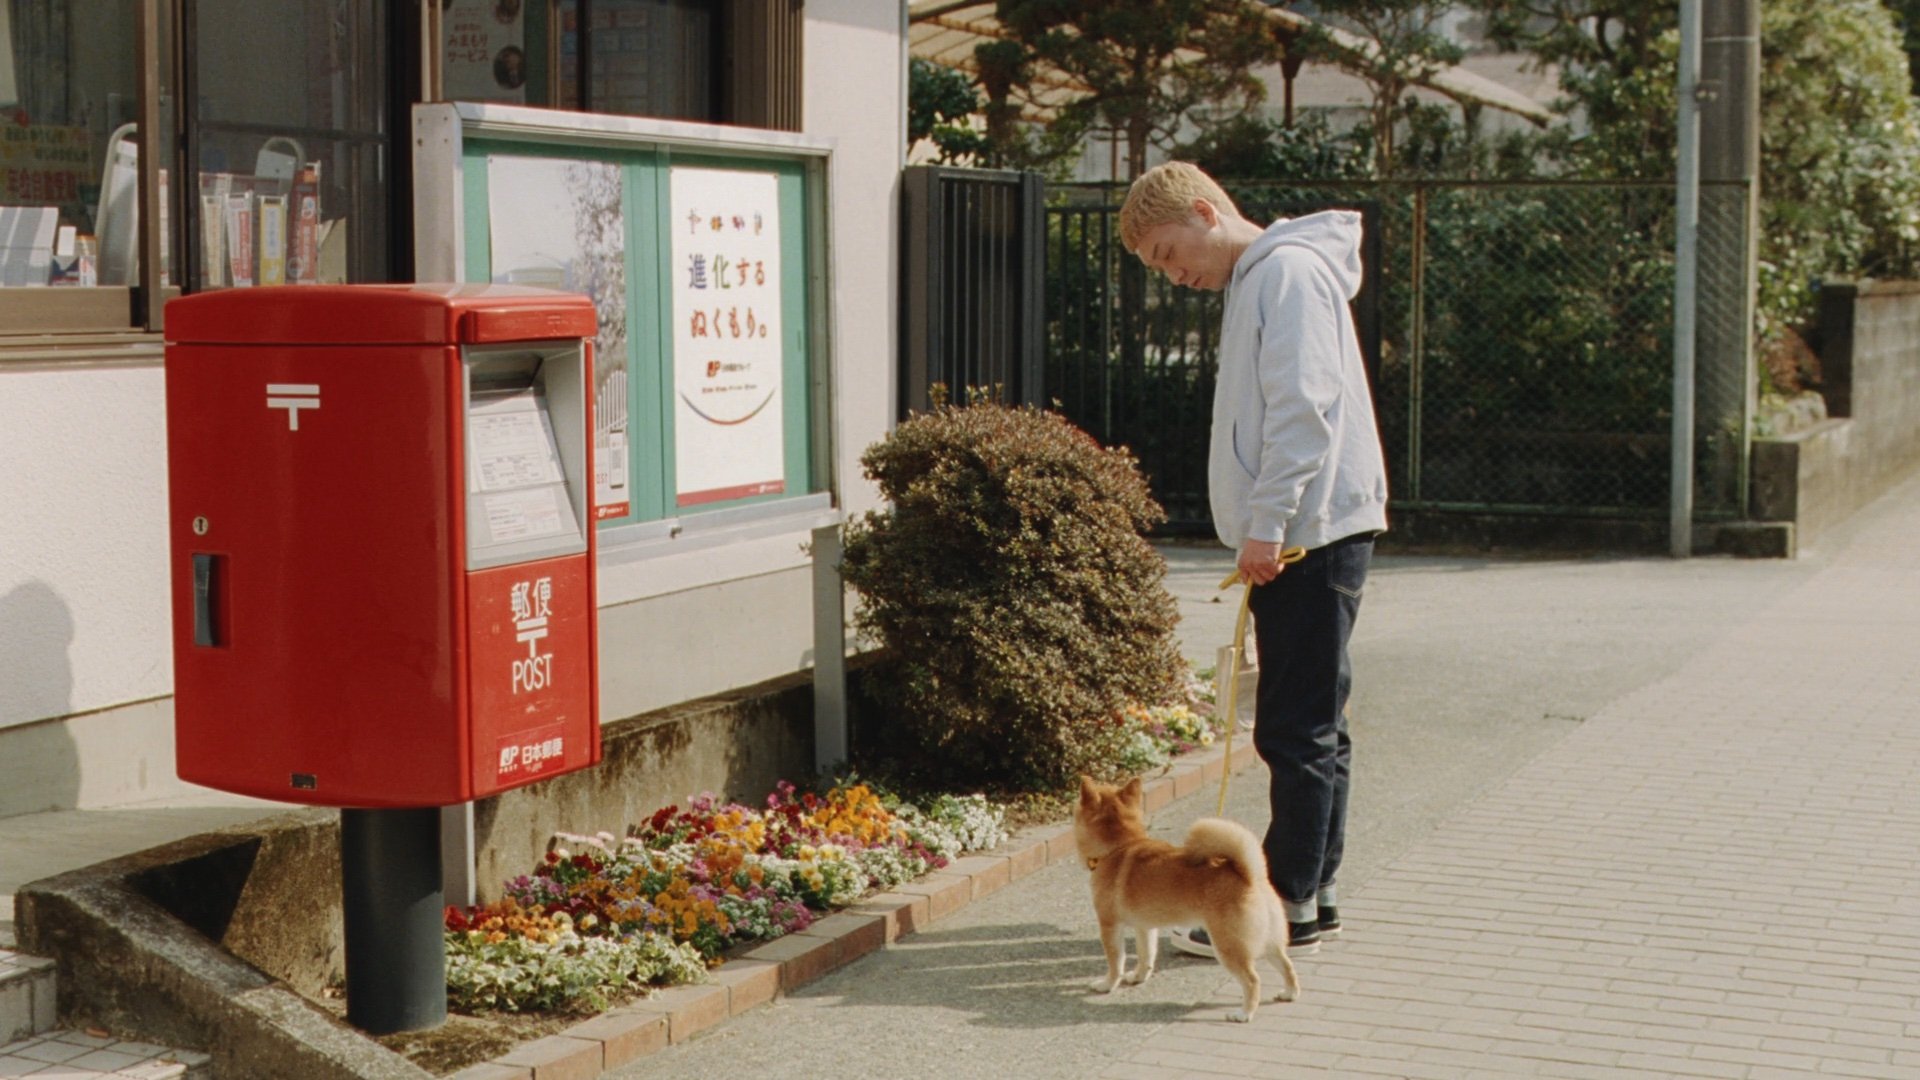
639,58
714,61
74,75
287,122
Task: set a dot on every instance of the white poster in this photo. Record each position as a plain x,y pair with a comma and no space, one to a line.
560,224
729,433
485,58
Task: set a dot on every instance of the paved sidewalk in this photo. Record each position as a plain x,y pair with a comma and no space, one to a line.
1716,876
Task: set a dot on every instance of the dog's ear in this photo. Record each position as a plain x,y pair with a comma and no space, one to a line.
1086,788
1131,793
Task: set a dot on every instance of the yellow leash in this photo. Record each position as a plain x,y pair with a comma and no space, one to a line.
1290,555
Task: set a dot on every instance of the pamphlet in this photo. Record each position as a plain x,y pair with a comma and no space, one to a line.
303,227
240,240
273,239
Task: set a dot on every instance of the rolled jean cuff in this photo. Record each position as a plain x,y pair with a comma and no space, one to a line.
1302,910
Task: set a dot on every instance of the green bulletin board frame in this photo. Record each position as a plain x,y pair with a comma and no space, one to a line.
650,348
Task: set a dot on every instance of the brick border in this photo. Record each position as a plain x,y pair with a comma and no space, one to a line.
776,968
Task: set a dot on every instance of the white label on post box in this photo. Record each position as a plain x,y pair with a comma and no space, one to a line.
522,515
293,397
532,603
529,753
513,443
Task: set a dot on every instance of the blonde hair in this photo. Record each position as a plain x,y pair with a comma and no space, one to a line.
1164,194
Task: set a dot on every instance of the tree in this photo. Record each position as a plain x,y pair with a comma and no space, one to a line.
1247,147
1401,48
939,100
1839,149
1906,14
1145,67
1618,65
1839,139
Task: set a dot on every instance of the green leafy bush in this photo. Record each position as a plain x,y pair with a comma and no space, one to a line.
1020,606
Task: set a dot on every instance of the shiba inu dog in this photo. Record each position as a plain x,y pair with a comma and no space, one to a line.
1217,878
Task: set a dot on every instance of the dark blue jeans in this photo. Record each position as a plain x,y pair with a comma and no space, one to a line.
1301,622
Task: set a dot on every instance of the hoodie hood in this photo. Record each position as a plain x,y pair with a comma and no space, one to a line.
1332,235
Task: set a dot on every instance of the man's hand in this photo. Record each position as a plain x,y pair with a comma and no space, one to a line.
1260,561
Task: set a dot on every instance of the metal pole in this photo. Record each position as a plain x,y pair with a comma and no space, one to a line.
390,889
1417,343
1685,274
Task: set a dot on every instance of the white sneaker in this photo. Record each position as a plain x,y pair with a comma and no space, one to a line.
1192,940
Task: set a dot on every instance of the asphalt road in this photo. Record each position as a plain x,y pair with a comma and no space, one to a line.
1465,669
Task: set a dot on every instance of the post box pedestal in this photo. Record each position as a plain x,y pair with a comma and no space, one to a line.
394,910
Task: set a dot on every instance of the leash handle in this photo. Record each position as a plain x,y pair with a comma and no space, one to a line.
1290,555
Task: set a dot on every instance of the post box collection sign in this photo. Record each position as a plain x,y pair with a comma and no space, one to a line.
391,482
729,436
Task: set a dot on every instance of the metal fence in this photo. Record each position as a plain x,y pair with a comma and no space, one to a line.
1518,336
971,311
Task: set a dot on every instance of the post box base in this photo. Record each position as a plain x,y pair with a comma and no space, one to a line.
394,908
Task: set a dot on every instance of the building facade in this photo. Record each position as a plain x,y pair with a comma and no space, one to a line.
162,147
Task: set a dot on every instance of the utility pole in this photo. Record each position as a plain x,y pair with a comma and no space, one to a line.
1729,103
1686,265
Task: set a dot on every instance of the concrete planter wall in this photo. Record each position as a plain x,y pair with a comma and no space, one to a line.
1869,345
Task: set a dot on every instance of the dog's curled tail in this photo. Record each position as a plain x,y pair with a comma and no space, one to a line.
1218,838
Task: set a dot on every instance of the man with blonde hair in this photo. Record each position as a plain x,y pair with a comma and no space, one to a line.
1294,460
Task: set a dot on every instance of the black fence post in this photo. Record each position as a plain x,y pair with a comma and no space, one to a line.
973,294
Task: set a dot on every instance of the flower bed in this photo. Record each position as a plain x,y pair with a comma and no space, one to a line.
605,916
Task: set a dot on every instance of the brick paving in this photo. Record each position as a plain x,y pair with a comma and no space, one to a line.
79,1055
1716,876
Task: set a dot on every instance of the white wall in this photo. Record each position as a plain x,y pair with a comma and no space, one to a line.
83,582
855,94
83,542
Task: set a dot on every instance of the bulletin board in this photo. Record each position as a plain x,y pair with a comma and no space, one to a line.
699,246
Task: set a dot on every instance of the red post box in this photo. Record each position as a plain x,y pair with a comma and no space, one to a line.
382,541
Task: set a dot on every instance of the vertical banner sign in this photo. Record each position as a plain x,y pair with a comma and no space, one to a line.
484,54
725,281
560,224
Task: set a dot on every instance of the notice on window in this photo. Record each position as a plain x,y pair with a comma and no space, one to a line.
511,443
484,51
729,428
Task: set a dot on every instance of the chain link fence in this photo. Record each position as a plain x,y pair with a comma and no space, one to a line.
1519,338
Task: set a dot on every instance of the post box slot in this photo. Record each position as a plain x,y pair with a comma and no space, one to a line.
206,599
525,478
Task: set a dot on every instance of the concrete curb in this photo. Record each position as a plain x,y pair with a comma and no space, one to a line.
778,967
137,969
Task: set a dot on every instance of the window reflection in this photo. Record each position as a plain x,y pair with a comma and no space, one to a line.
68,162
287,132
644,57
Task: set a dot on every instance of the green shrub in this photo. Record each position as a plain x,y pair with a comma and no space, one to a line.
1019,604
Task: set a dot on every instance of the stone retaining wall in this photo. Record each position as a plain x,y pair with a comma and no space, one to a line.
1869,345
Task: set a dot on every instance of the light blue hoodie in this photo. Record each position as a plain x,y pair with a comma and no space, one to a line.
1295,456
